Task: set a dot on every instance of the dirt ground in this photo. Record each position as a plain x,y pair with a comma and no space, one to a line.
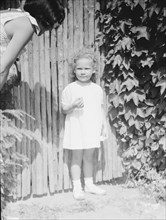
118,203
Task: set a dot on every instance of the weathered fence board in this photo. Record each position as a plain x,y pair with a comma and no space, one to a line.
45,72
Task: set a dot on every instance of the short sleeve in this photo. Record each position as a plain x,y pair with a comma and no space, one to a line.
66,96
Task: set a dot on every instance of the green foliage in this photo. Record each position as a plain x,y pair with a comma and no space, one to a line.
9,159
133,37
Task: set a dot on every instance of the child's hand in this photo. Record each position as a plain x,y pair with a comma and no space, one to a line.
78,103
104,133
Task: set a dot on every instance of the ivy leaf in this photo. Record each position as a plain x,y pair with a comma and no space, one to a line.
154,136
141,143
149,111
121,99
113,113
111,97
151,10
118,47
117,85
140,112
112,87
136,165
135,3
114,98
148,132
121,110
116,101
126,43
154,77
149,102
164,12
148,62
137,124
131,121
139,155
123,130
142,4
162,106
148,141
127,115
157,10
122,26
134,97
163,118
154,146
162,141
136,53
147,125
126,63
141,32
143,159
117,60
130,83
162,83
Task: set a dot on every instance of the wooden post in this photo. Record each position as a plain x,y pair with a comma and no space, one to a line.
25,108
18,148
60,115
51,174
86,23
38,162
66,176
43,111
54,100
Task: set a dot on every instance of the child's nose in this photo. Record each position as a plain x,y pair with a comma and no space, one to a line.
83,72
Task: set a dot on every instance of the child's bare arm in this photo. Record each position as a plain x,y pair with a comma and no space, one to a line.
104,132
78,103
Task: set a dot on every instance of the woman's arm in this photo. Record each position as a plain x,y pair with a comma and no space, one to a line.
21,31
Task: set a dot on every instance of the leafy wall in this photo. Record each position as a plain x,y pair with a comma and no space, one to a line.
133,34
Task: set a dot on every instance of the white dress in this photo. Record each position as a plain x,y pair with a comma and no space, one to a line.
83,126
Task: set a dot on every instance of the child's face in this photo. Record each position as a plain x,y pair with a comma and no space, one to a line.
84,69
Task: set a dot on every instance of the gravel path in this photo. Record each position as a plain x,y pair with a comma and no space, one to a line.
118,203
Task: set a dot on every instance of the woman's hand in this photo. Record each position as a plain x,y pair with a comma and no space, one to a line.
3,77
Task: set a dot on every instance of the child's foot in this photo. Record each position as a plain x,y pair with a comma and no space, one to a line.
94,190
78,194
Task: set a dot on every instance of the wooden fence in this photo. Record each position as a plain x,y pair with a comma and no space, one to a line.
45,73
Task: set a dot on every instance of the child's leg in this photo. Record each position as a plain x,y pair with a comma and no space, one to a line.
88,162
88,173
76,162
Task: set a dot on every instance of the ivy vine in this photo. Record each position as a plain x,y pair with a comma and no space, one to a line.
132,36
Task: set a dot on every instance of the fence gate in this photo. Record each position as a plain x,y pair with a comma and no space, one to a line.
45,72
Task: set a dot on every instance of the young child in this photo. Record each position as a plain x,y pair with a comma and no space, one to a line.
18,26
85,123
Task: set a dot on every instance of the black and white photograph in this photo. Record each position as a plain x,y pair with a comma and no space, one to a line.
83,109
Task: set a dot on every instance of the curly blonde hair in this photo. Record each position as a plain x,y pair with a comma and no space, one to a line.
84,53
